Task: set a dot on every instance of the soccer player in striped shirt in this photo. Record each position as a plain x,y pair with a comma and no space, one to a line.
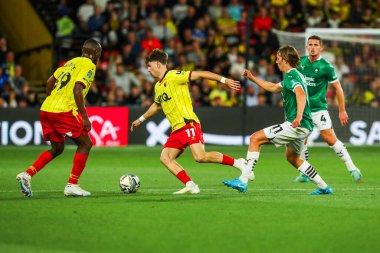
63,115
173,97
292,133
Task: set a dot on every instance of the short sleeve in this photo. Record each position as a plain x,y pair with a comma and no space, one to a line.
293,84
182,77
86,74
331,76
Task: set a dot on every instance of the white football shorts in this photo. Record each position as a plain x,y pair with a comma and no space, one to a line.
285,134
322,120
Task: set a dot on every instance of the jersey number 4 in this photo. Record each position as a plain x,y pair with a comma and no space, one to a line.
323,119
62,80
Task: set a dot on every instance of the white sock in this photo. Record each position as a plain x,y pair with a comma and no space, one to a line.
252,158
190,184
309,171
305,154
342,152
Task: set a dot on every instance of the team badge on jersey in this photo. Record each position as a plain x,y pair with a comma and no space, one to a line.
89,74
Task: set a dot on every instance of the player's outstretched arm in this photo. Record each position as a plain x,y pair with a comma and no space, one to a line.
153,109
230,83
301,103
79,100
50,85
343,116
269,86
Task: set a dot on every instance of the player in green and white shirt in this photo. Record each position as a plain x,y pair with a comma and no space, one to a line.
292,133
319,73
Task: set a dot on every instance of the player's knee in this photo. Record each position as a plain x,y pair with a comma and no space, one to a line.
164,159
57,151
253,137
200,158
87,145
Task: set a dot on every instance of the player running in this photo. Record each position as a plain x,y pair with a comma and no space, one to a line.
297,126
173,97
63,115
319,73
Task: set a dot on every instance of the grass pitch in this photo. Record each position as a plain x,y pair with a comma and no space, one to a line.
275,215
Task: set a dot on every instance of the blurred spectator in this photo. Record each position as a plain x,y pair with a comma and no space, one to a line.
162,31
3,49
150,42
85,11
96,21
65,25
215,9
3,79
262,21
315,19
196,95
218,95
235,9
120,97
9,96
252,94
125,79
180,10
134,97
341,68
227,26
17,82
94,95
9,65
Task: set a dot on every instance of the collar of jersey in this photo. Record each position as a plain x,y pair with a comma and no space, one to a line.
164,76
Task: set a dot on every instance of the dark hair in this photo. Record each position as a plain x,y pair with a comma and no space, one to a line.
290,55
315,37
157,55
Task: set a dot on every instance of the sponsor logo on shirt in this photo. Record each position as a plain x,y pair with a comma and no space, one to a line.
164,97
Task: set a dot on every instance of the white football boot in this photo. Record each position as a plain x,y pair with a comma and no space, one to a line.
75,190
242,165
190,188
24,180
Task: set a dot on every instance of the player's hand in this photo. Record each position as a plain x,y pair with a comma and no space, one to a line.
232,84
135,124
86,124
296,123
248,74
343,117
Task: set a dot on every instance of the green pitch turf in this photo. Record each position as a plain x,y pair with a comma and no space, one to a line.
275,215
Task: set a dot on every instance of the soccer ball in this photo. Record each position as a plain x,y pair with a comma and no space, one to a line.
129,183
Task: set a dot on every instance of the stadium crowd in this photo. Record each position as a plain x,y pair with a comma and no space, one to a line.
208,35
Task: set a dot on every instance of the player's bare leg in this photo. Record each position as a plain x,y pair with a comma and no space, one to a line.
305,168
255,141
304,156
167,158
24,178
201,156
340,149
72,188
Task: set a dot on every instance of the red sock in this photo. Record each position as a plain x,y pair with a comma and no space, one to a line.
182,175
41,161
78,166
228,160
